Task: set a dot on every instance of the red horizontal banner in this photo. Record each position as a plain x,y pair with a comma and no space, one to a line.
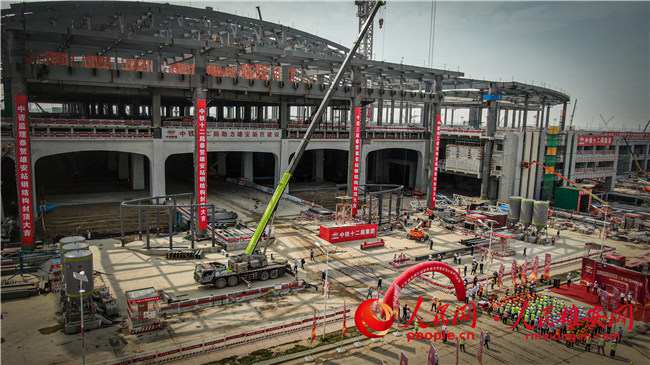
335,234
595,140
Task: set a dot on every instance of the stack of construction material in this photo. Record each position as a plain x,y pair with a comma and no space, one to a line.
185,254
143,306
515,208
526,213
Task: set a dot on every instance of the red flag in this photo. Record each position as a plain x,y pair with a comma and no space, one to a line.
313,328
344,330
533,274
524,270
432,358
403,360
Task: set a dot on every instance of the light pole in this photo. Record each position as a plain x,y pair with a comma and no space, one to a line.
81,276
602,242
325,283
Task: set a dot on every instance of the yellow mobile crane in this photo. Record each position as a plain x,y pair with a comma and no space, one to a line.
252,264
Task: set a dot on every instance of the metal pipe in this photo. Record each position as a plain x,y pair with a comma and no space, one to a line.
122,224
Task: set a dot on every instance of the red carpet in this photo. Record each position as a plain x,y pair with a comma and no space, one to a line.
578,292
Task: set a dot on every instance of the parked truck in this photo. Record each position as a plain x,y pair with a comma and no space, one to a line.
240,268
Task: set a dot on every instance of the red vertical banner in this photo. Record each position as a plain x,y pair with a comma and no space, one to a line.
356,159
201,145
24,172
434,167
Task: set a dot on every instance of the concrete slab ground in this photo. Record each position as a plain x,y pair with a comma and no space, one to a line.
29,326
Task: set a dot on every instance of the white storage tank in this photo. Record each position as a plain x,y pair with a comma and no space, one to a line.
71,239
76,261
540,213
526,213
74,246
515,207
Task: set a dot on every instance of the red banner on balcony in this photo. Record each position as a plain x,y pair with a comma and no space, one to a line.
201,157
356,159
179,69
49,58
100,62
24,171
595,140
277,73
262,71
434,167
137,65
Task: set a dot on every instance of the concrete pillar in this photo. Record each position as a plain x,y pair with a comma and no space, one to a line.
221,163
137,172
247,165
563,118
548,116
525,116
452,116
157,169
489,143
155,106
392,111
122,165
284,116
260,114
380,111
401,112
431,152
319,165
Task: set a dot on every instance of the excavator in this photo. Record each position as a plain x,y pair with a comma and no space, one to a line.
253,264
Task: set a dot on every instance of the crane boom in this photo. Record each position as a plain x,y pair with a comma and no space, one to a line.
566,179
575,103
286,176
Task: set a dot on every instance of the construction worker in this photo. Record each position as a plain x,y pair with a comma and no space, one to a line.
379,287
612,348
462,343
588,343
311,254
486,340
302,262
369,295
601,345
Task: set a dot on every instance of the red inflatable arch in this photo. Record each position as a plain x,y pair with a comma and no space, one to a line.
423,268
